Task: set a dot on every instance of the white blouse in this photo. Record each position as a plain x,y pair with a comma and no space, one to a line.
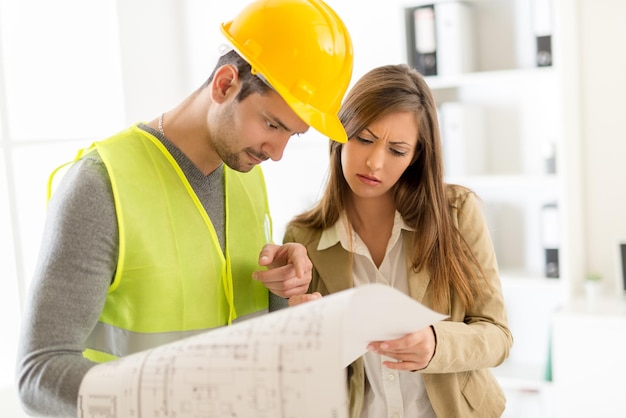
388,393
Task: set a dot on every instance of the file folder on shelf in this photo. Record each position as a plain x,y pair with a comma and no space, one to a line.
454,33
542,28
440,38
421,39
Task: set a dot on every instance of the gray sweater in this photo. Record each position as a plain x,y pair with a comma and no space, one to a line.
76,265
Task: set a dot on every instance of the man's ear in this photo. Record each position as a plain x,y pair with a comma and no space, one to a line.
225,83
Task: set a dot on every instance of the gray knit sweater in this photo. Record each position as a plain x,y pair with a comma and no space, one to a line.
76,265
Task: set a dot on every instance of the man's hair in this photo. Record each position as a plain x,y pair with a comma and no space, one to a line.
250,83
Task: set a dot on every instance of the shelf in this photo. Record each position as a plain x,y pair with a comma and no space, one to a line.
516,279
508,77
497,181
603,306
521,376
507,134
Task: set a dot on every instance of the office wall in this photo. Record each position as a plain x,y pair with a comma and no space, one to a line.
603,70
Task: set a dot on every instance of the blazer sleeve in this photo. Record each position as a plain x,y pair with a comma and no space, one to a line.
478,337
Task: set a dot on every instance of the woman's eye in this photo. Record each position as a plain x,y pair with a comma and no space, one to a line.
397,152
363,140
271,125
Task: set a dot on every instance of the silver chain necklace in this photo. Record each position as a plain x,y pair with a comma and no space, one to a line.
161,124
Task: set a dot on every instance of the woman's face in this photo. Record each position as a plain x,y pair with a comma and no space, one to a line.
373,160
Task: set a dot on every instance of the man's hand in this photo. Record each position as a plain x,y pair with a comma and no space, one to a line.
412,352
288,269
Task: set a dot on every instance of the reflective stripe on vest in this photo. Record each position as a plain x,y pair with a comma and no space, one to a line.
172,278
120,342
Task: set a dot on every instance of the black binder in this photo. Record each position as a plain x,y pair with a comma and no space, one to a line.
421,38
542,28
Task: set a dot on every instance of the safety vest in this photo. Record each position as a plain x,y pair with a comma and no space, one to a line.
172,278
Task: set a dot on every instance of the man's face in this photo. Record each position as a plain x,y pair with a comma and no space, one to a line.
248,132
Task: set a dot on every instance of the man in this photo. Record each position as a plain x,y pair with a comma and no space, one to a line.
154,233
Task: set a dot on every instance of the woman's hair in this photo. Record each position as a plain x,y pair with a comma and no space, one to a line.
250,83
420,193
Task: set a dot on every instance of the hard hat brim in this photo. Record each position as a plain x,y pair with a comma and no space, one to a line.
326,124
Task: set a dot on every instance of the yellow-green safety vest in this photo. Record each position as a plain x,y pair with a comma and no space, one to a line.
172,278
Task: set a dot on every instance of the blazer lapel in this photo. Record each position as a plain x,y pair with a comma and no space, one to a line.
334,267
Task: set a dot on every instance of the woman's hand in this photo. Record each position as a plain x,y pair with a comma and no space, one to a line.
307,297
412,352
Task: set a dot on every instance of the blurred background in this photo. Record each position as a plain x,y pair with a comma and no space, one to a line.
535,128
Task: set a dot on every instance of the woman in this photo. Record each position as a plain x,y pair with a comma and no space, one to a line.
387,216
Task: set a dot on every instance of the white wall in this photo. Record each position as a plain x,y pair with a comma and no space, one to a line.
59,88
603,74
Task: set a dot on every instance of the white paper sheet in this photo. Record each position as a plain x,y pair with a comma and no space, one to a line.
287,364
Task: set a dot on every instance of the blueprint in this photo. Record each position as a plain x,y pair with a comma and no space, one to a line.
286,364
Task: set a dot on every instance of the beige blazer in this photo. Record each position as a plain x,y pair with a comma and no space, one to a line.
458,380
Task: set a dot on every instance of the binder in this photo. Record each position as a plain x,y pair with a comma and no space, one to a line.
454,31
422,39
463,139
621,269
550,238
542,28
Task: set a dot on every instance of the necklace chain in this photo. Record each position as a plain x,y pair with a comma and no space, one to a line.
161,124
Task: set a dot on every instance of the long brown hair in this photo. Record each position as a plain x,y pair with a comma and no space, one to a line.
420,193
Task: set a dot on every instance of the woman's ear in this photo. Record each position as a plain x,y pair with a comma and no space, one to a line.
225,83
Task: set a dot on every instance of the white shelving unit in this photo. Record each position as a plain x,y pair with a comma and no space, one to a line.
526,143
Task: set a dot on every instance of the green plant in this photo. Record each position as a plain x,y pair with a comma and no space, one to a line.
594,277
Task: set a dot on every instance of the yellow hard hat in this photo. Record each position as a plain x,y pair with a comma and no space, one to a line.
303,50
